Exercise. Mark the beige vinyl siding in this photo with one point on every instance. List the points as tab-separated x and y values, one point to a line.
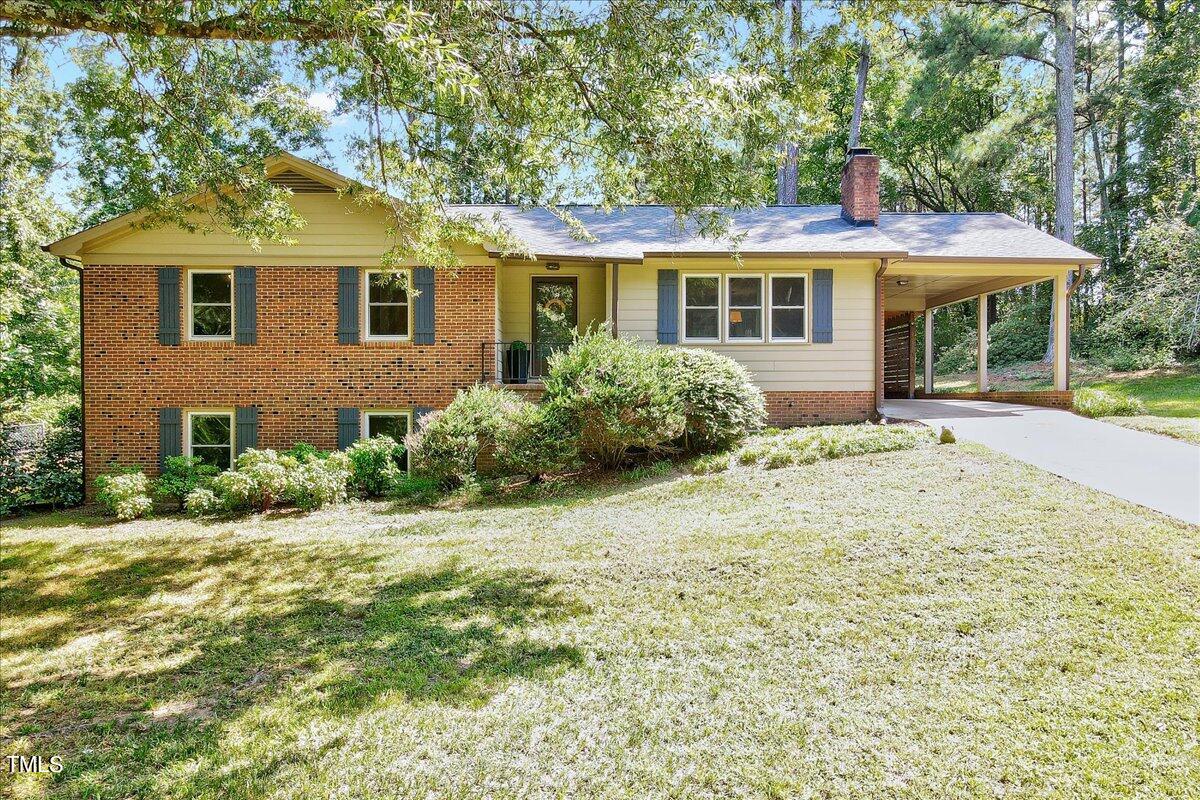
338	231
516	296
846	364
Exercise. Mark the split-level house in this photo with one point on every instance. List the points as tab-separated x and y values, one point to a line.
200	344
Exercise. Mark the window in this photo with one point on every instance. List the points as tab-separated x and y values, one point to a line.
387	309
210	437
210	303
788	307
701	308
395	424
745	311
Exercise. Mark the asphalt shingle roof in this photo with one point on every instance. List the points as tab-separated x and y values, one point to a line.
639	231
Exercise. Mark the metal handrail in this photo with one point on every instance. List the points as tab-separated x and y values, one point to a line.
494	359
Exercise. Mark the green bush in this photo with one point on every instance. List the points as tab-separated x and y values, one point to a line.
318	482
57	476
1099	403
270	473
447	446
375	465
125	494
235	490
14	476
202	502
1017	336
959	357
721	405
613	393
416	489
535	440
181	475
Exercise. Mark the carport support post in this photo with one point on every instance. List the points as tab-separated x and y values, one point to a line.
982	359
1061	331
929	351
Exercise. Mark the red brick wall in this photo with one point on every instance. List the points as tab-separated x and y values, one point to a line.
1050	399
785	409
297	374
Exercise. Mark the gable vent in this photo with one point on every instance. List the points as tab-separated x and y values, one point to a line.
299	184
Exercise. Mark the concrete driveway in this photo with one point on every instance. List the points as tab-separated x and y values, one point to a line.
1144	468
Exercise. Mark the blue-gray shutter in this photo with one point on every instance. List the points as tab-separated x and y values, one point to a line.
247	428
170	434
349	424
419	413
168	305
668	306
348	308
423	322
822	299
245	312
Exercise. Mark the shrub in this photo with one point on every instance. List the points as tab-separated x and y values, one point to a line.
57	476
447	446
270	474
202	502
235	490
320	482
181	475
1099	403
301	451
535	440
14	477
612	392
416	489
126	494
374	467
721	405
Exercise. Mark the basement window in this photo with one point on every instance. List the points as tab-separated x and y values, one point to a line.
395	424
210	437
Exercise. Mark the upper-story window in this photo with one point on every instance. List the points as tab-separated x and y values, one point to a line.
701	308
789	301
210	304
745	313
387	308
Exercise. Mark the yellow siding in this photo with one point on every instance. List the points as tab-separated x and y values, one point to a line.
846	364
339	232
516	296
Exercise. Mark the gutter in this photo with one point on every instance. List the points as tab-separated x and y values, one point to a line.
82	386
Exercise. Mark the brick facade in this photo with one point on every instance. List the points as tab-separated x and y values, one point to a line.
785	409
1050	399
297	374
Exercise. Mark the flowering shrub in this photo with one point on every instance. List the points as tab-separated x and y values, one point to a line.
126	495
236	490
270	473
319	482
202	502
374	467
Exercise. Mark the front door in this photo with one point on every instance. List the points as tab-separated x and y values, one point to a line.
555	318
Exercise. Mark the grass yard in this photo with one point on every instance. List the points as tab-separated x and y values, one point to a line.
938	622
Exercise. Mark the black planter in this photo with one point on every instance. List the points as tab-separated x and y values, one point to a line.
516	365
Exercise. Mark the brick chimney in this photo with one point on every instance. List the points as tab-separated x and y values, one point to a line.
860	187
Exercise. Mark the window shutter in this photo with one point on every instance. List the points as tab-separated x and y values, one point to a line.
245	299
170	434
419	413
246	436
348	306
668	306
168	305
348	427
822	297
423	323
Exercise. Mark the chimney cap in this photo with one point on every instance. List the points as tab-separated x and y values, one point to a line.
859	151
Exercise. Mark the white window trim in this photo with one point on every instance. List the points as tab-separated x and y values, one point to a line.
366	305
807	306
683	307
232	305
366	414
211	412
762	308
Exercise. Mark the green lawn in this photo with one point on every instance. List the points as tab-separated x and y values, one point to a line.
931	623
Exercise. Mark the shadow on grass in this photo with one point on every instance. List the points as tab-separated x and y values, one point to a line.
294	648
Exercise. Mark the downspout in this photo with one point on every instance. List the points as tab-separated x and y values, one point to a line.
616	272
82	387
883	265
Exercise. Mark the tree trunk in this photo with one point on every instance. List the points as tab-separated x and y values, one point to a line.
786	178
1064	136
860	90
